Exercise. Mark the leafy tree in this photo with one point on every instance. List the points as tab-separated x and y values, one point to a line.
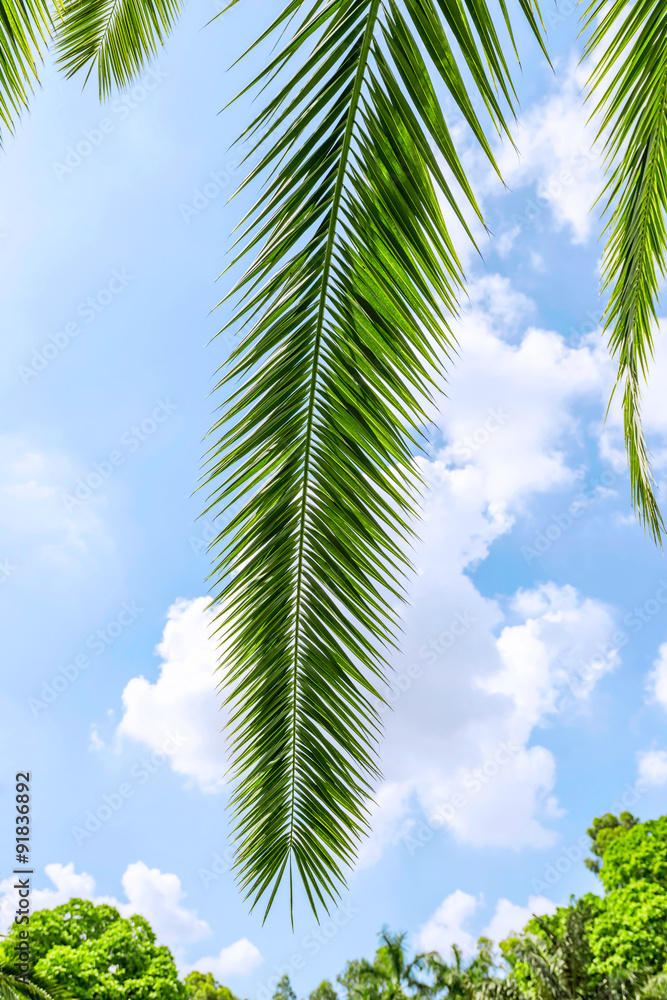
390	976
345	311
605	829
641	854
459	978
325	991
551	959
95	953
203	986
284	989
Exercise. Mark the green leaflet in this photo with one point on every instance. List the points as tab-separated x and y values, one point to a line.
344	310
120	36
25	27
630	77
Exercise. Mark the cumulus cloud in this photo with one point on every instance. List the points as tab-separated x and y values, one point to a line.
462	747
556	156
461	744
450	924
652	768
35	526
657	679
237	959
510	917
447	925
153	894
184	698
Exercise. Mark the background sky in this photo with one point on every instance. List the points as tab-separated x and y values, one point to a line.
531	693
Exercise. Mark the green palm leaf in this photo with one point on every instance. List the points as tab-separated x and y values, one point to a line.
38	988
344	311
118	36
24	30
630	43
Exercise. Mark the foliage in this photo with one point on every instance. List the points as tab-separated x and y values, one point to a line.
117	36
605	829
24	29
390	976
344	310
325	991
639	855
461	979
628	47
203	986
284	989
95	953
14	987
631	930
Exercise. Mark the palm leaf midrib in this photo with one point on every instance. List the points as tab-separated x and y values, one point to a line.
642	209
364	52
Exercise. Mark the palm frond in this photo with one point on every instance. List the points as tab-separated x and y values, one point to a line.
24	31
630	84
344	312
12	987
119	37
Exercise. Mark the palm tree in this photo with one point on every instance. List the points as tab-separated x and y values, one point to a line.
344	311
390	976
553	962
461	979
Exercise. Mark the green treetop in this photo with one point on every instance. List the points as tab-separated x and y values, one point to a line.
604	831
203	986
98	955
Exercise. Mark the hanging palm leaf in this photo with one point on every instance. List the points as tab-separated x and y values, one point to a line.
629	42
24	30
345	310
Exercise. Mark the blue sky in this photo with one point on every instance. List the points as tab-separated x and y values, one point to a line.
531	694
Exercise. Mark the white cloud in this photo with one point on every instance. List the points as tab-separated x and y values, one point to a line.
151	893
462	744
184	697
511	917
462	741
35	525
557	155
450	924
157	896
237	959
658	677
447	925
652	768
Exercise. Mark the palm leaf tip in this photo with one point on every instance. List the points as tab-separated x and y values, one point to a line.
344	310
629	85
119	37
25	27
